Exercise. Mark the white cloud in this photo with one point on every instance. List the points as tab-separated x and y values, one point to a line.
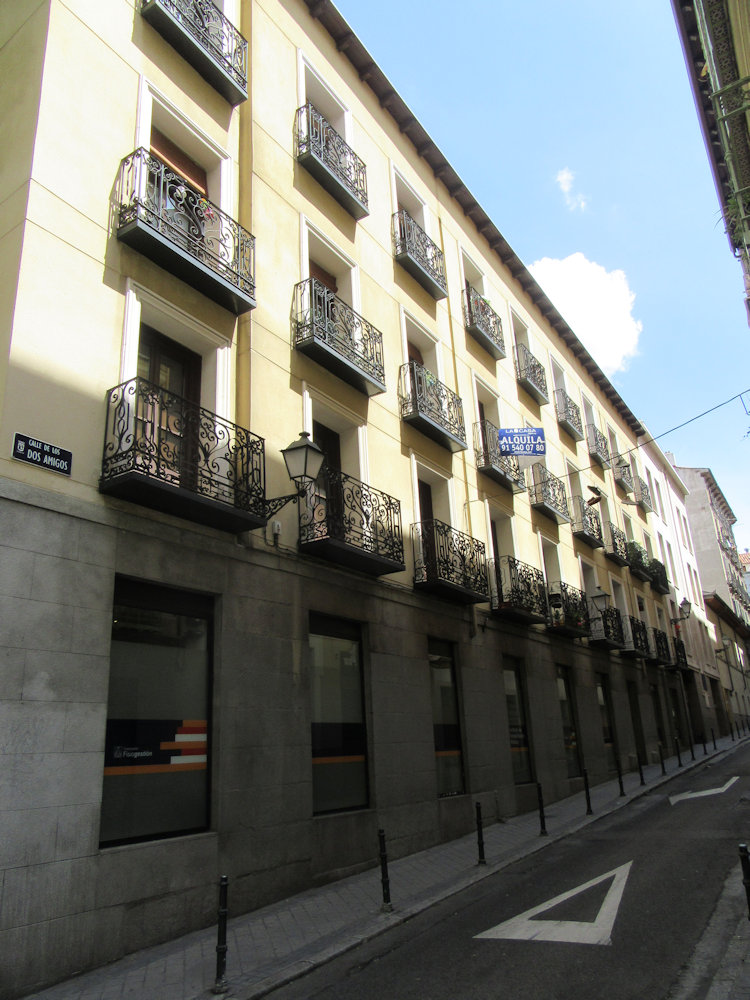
574	201
598	305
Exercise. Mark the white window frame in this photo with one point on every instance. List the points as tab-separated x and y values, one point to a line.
348	263
305	67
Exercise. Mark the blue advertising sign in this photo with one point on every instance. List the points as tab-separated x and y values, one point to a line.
522	441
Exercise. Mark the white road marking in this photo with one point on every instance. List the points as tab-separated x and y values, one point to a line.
699	795
599	931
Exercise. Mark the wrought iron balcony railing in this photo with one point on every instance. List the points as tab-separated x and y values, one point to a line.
586	523
635	635
606	629
198	30
449	563
531	375
623	474
483	323
164	452
658	646
547	493
680	653
568	414
639	561
330	332
161	216
615	544
568	610
659	581
598	447
504	469
333	163
347	522
431	407
419	255
643	495
519	591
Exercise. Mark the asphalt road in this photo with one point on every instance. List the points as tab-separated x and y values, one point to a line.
627	936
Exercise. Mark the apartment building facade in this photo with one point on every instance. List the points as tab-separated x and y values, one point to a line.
715	38
209	669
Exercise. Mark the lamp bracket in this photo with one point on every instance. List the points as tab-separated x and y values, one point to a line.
274	505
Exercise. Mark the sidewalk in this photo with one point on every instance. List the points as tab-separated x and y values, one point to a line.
273	945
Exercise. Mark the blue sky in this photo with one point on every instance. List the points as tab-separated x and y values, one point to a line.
573	125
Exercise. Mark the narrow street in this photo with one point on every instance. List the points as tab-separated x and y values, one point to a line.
616	910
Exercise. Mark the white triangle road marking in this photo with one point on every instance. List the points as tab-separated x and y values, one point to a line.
699	795
599	931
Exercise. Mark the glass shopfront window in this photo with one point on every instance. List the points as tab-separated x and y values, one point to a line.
339	735
570	733
156	778
520	749
445	717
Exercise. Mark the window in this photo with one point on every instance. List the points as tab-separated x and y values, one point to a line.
338	733
407	200
567	714
520	749
604	699
445	719
157	738
316	92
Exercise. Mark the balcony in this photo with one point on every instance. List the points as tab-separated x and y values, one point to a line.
504	469
568	415
198	30
568	610
639	562
431	407
598	447
416	253
623	475
586	523
351	524
530	374
162	217
659	581
635	635
658	646
519	591
449	563
615	545
483	323
680	654
547	494
643	495
166	453
330	332
606	629
335	166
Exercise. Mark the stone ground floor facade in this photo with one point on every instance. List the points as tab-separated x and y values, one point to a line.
177	704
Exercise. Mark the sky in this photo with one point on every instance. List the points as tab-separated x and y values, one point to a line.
574	127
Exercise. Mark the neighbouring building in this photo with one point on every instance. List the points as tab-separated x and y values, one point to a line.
715	37
725	594
221	228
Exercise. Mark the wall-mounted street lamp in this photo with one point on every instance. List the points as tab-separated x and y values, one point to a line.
722	652
303	460
685	609
600	600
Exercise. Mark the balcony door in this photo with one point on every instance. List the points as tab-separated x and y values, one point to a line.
168	414
181	193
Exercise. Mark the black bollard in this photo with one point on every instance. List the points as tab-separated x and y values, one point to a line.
640	769
713	737
705	749
677	748
745	861
692	751
387	906
587	790
480	835
661	759
731	730
221	985
619	775
540	798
